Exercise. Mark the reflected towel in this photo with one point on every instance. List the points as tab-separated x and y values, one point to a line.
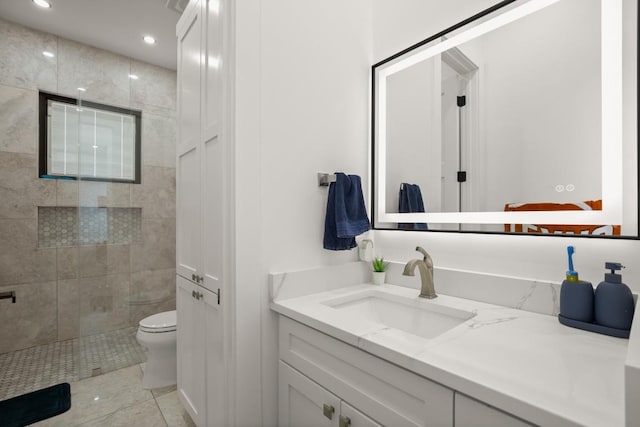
346	215
411	202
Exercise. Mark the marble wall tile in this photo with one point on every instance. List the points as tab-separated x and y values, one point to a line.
92	261
67	263
158	140
19	119
153	286
32	319
102	194
20	261
66	193
21	191
152	291
103	74
17	160
139	312
68	309
158	248
22	63
118	259
156	195
155	89
104	303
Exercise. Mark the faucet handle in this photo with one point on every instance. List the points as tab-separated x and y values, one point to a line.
425	256
423	252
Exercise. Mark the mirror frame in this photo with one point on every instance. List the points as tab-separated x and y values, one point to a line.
612	124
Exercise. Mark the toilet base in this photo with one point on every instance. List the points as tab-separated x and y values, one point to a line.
160	369
155	379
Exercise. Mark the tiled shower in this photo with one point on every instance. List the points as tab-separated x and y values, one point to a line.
87	260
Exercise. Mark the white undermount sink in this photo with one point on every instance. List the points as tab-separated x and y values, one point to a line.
416	316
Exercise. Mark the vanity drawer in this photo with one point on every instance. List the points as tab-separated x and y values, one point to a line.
387	393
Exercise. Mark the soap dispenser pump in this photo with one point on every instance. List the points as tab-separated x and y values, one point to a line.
614	303
576	296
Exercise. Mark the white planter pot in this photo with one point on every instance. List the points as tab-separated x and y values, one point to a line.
378	277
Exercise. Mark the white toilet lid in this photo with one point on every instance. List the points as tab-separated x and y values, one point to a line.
161	322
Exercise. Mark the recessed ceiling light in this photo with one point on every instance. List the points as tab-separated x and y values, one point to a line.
42	3
81	89
48	54
133	77
149	39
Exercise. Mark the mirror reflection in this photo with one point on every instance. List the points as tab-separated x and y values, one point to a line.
509	121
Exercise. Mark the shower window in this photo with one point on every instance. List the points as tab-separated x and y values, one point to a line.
87	140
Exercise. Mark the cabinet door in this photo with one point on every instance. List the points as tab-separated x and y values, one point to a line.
472	413
302	402
351	417
213	197
188	208
213	150
190	328
215	366
212	74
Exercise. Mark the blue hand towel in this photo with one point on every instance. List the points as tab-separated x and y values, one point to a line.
410	202
346	215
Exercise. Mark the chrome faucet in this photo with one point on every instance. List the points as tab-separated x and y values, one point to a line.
425	266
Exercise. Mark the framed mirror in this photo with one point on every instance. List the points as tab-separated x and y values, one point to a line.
510	122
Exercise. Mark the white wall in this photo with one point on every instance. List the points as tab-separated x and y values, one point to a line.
302	81
526	256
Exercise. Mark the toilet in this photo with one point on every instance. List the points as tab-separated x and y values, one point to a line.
157	335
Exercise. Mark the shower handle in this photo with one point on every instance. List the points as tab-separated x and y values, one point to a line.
7	295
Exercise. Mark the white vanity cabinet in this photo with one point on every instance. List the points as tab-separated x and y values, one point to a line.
200	358
472	413
316	369
323	381
304	402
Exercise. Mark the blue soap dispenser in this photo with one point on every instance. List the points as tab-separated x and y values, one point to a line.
614	303
576	296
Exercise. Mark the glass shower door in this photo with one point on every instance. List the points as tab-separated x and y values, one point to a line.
108	226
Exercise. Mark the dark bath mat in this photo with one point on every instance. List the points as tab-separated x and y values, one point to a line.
36	406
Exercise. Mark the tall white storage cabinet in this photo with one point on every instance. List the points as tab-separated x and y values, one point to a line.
201	221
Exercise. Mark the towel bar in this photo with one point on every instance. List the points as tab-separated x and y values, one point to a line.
324	179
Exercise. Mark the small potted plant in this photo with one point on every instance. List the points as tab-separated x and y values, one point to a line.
379	270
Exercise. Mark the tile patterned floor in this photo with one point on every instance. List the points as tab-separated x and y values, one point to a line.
117	399
37	367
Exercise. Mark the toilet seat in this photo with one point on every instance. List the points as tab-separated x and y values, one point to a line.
160	322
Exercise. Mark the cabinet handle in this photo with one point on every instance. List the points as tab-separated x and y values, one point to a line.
193	294
345	421
193	277
328	410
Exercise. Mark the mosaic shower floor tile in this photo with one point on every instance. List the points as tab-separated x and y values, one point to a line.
30	369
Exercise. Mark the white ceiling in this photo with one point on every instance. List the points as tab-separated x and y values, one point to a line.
115	25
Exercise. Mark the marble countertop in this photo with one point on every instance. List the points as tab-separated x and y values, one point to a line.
524	363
